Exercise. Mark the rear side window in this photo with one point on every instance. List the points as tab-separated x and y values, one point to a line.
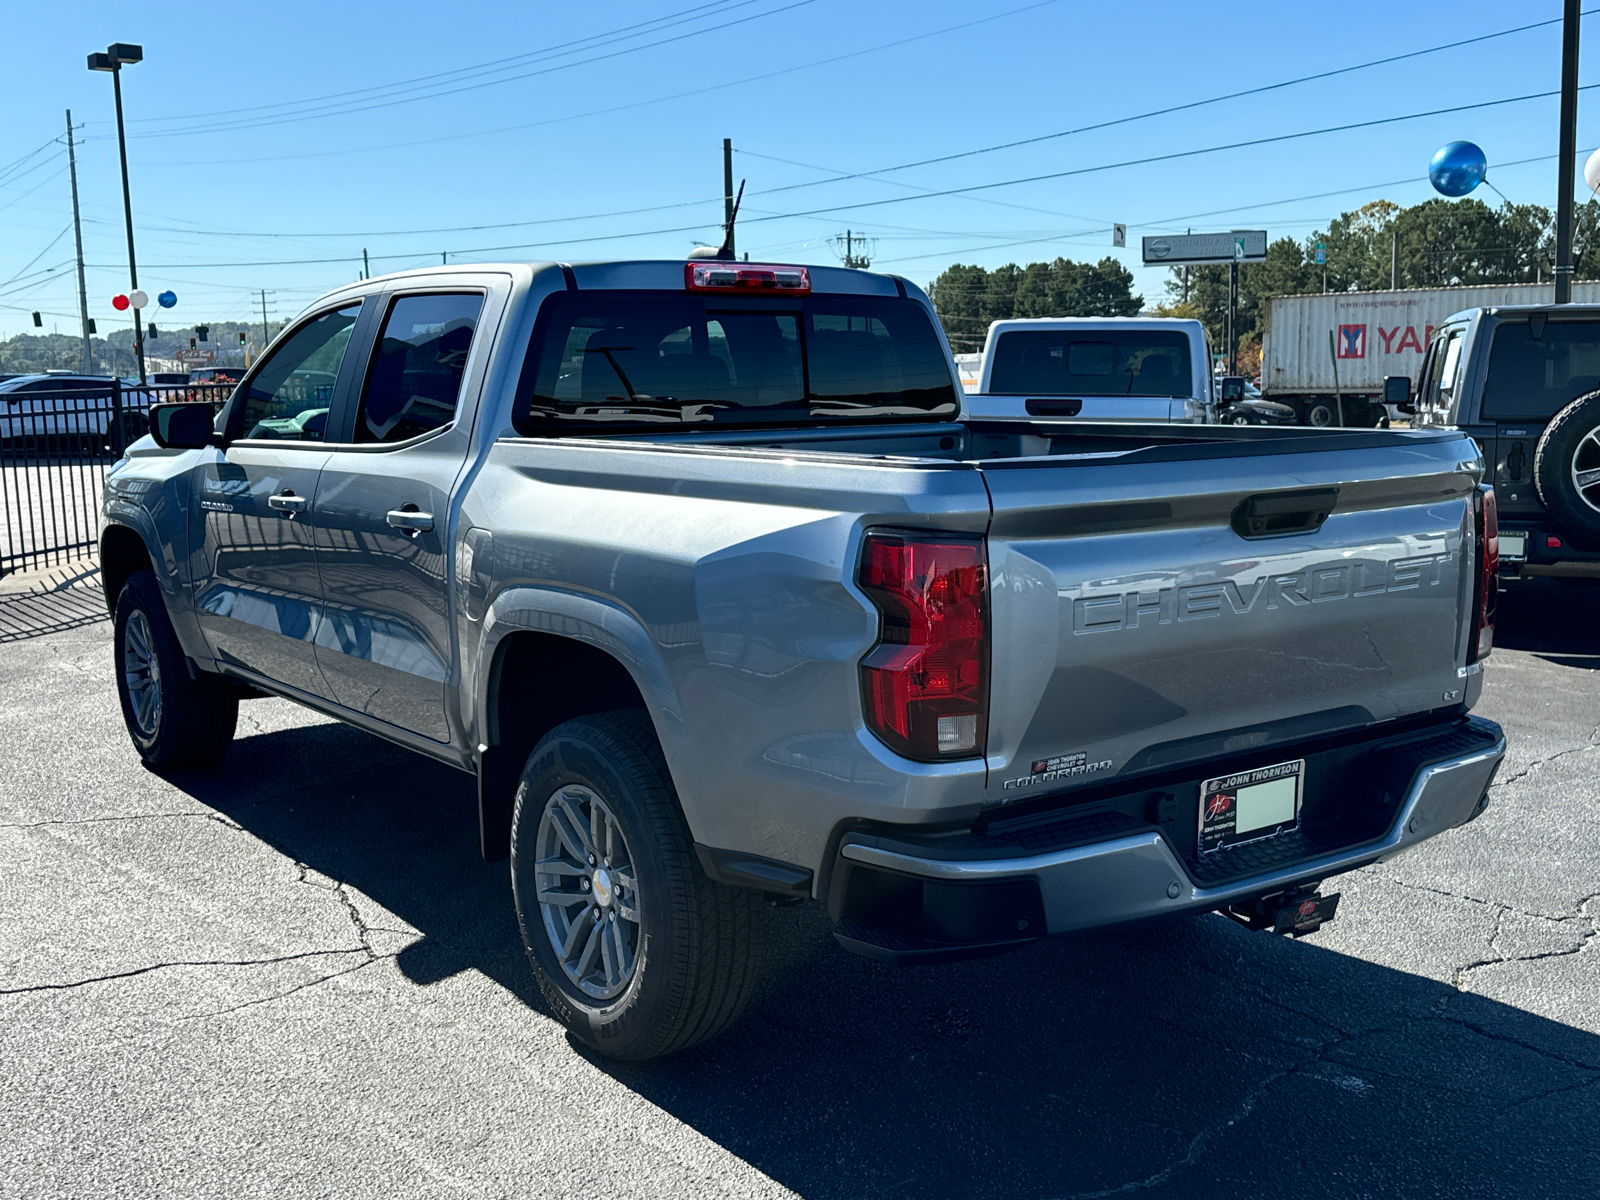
1532	379
415	381
653	358
1098	362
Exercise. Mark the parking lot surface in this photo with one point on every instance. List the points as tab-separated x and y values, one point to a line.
294	976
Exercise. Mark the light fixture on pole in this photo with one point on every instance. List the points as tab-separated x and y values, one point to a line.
117	55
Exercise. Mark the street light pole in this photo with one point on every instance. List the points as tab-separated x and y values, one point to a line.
112	60
1569	151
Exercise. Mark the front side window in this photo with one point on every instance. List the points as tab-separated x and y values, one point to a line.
290	395
1533	378
418	366
672	358
1092	362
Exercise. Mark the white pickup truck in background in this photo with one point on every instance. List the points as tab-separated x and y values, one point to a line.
1093	369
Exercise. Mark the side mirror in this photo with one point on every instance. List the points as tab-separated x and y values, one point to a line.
1232	389
182	426
1397	391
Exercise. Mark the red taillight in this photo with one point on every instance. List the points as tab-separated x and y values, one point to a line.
1488	590
925	684
716	276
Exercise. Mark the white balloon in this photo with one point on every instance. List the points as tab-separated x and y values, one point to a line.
1591	172
138	299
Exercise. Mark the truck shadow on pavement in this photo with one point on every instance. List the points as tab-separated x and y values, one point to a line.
1551	617
1188	1059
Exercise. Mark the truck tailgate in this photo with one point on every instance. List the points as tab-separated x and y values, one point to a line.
1136	629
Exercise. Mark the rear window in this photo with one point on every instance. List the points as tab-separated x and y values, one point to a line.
1532	379
642	358
1097	362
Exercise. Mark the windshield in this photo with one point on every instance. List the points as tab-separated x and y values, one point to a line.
1092	362
1532	379
630	358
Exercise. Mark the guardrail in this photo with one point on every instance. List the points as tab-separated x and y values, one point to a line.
55	449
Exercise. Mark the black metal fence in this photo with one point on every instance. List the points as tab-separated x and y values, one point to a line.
56	444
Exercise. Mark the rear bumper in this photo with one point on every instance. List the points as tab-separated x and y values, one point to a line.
1563	560
1137	874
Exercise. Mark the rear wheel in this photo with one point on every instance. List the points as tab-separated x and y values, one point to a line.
1321	414
175	721
637	952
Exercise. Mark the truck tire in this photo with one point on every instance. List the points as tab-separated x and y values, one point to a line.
176	721
1319	413
1566	469
636	951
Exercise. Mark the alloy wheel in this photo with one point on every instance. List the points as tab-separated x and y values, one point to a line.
1586	469
142	673
588	892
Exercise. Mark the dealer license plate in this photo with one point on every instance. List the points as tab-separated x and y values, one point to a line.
1513	546
1251	805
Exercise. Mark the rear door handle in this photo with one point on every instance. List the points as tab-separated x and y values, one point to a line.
287	502
410	520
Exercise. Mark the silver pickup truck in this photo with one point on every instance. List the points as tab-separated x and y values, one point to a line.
703	572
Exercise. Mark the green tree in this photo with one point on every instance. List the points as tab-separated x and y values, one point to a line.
967	298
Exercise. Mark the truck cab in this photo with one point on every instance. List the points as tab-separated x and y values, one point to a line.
1522	382
1095	369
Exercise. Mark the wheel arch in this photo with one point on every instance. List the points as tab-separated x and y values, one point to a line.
122	552
571	657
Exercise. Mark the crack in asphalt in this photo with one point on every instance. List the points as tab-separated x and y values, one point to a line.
1549	758
161	966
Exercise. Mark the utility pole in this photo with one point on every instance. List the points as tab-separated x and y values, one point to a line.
1233	309
366	267
266	336
1569	150
87	366
1394	260
444	258
727	194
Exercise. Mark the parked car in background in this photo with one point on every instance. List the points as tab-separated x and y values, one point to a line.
1239	403
216	375
700	570
1095	369
61	410
1523	380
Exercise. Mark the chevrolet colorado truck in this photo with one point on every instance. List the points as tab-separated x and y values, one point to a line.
704	573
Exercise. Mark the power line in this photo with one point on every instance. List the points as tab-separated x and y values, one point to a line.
234	126
1175	108
600	112
493	64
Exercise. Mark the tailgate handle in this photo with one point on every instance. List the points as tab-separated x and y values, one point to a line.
1272	514
1054	407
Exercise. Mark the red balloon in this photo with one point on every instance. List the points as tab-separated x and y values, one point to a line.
119	302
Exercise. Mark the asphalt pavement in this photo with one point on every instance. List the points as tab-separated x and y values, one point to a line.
294	976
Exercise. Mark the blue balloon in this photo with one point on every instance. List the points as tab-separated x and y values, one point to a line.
1457	168
167	298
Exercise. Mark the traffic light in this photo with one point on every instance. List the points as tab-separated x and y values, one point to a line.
154	333
191	344
242	336
92	329
204	331
38	321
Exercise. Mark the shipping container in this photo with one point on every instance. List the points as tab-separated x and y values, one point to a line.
1367	336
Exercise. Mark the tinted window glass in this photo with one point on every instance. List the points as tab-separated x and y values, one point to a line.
1533	379
1065	362
417	369
631	357
290	395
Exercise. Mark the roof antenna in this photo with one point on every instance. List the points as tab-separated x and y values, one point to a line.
724	252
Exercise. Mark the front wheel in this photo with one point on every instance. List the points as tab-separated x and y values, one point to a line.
637	952
175	720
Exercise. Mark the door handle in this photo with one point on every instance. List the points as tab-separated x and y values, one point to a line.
410	520
287	503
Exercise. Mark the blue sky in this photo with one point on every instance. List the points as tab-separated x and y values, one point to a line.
621	105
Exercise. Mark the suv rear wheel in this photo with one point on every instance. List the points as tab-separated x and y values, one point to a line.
1566	469
175	721
636	951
